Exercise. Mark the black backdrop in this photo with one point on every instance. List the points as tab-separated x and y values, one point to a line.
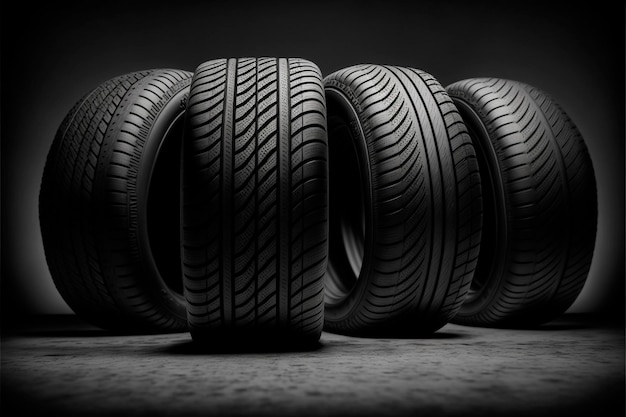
51	57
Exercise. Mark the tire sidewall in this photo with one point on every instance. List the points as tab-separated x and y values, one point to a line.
138	256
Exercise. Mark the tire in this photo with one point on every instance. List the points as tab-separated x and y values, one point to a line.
405	203
109	203
255	201
540	204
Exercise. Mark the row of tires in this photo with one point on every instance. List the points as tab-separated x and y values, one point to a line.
254	197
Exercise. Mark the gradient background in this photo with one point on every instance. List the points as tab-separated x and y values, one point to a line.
50	58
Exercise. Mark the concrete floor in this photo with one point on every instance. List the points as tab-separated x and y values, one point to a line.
572	366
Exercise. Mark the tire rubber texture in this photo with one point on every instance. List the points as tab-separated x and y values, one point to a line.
540	204
405	203
107	221
255	201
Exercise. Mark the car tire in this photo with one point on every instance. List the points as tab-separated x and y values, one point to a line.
255	201
540	204
109	203
405	203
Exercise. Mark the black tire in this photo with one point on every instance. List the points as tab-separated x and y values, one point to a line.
539	202
405	202
109	203
255	201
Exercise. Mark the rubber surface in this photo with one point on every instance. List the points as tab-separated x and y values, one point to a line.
540	208
100	214
405	202
255	200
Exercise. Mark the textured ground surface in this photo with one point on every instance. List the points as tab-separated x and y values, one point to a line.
568	367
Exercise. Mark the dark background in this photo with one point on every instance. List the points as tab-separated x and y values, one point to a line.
50	58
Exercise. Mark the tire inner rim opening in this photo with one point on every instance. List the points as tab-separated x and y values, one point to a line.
163	205
347	219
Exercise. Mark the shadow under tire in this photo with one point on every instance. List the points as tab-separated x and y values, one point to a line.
539	200
109	203
255	201
405	203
